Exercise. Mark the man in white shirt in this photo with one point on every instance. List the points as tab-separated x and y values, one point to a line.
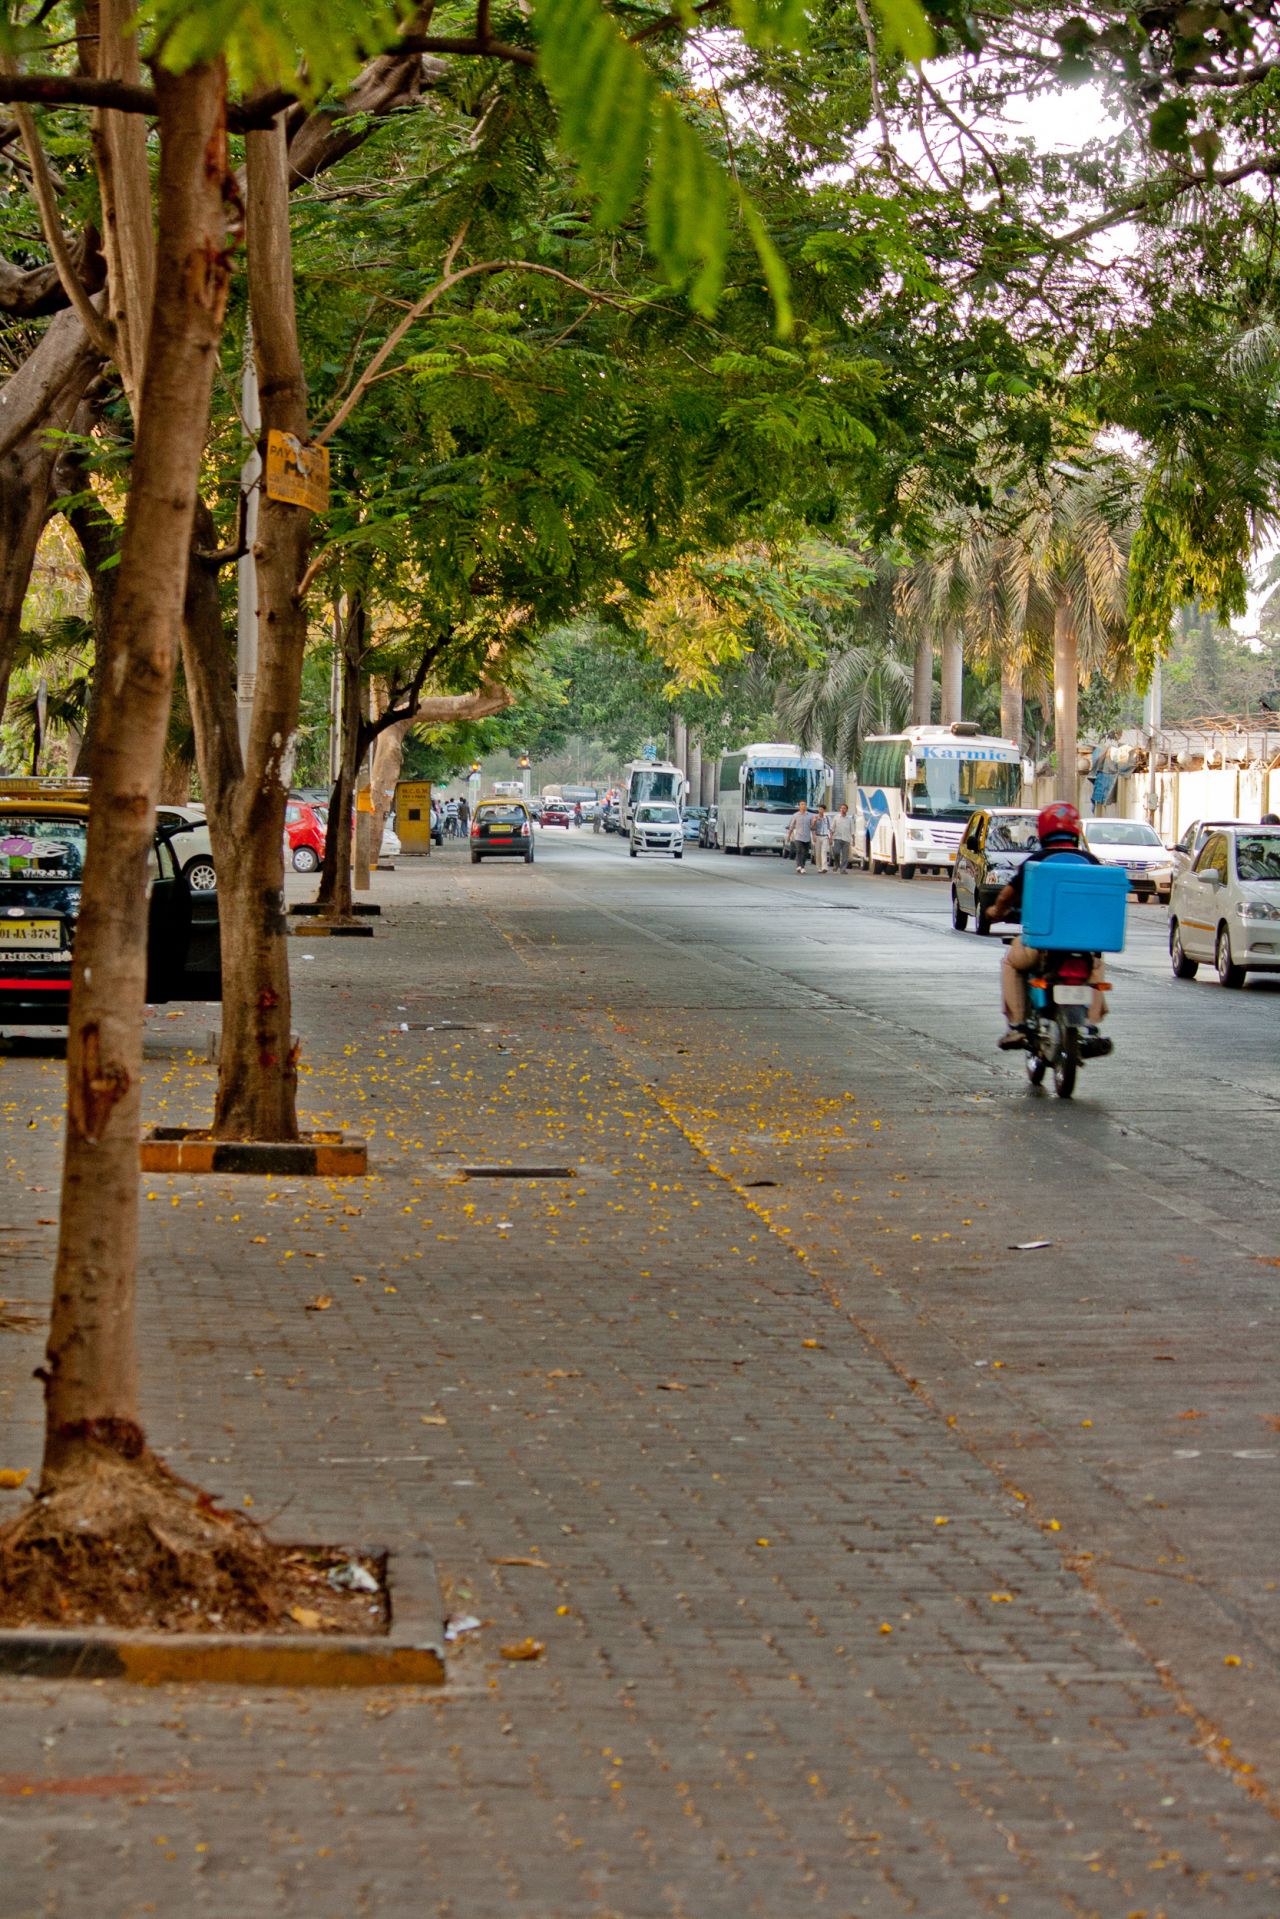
842	839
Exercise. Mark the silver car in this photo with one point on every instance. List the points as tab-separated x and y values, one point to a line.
1138	848
657	828
1226	909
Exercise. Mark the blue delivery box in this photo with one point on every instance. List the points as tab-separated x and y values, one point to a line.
1069	907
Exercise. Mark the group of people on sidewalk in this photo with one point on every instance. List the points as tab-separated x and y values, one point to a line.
827	836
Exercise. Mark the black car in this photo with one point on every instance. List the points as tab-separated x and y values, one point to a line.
43	830
992	848
501	829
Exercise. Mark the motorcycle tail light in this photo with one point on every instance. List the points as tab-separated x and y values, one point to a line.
1074	970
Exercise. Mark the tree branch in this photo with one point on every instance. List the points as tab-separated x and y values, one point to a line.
236	548
423	306
94	324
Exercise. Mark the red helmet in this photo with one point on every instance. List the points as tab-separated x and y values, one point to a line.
1060	821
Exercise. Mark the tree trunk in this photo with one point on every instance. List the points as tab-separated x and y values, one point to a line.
124	183
90	1374
922	682
952	676
710	768
258	1067
1011	700
1066	691
335	898
27	465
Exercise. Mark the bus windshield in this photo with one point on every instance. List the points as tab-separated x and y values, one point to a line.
953	788
653	786
780	789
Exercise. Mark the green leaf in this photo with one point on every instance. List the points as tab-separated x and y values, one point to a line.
1169	124
906	28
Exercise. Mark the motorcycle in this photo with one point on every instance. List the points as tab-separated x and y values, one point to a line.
1059	1037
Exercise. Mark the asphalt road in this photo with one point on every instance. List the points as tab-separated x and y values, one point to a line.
1125	1377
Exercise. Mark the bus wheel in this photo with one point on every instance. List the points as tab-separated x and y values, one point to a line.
906	872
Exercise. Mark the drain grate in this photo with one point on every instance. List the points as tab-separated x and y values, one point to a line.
517	1172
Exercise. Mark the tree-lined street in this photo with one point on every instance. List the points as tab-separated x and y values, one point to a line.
879	1567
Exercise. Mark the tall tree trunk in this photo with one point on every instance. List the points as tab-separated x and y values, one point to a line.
922	682
1011	700
37	405
124	182
90	1374
258	1067
952	676
335	896
1066	692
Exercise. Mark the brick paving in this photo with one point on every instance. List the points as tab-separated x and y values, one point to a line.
808	1652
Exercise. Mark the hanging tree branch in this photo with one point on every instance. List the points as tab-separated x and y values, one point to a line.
73	286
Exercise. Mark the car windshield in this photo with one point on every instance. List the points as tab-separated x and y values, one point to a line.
505	815
952	788
1014	835
780	789
41	848
1258	856
657	815
1120	833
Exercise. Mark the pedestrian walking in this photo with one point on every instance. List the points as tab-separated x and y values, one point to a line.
821	838
842	839
800	835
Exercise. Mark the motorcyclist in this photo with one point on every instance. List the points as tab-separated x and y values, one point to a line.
1058	832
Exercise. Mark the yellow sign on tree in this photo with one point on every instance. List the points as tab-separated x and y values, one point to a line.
296	473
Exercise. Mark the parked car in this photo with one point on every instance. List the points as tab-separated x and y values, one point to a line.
556	813
693	817
43	829
1225	909
657	828
992	848
502	828
1137	847
707	827
304	834
191	844
1184	853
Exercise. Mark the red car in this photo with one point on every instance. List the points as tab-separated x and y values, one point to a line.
303	836
555	813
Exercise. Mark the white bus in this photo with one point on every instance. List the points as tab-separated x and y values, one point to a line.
916	790
760	788
649	780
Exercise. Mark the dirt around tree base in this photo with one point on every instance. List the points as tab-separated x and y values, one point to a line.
127	1544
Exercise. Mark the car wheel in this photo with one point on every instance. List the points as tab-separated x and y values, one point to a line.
201	877
475	859
1229	973
305	859
981	924
528	858
677	856
1183	968
634	854
959	918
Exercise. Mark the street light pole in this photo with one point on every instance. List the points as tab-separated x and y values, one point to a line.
247	566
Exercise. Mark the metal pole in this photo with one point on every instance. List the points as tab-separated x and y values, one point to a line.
247	567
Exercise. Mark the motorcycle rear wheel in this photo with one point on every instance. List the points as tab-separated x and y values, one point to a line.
1067	1060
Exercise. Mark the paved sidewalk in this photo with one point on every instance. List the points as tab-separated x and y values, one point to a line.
807	1653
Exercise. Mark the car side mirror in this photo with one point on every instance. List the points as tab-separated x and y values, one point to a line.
1212	877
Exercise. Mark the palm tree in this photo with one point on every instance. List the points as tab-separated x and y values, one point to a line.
1057	568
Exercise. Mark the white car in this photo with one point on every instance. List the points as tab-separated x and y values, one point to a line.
657	828
1226	909
192	848
1138	848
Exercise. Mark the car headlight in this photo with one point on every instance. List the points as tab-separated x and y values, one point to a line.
917	833
1256	910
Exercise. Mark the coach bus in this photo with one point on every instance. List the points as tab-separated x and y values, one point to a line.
760	788
916	790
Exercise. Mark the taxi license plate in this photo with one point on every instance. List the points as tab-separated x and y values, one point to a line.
30	939
499	832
